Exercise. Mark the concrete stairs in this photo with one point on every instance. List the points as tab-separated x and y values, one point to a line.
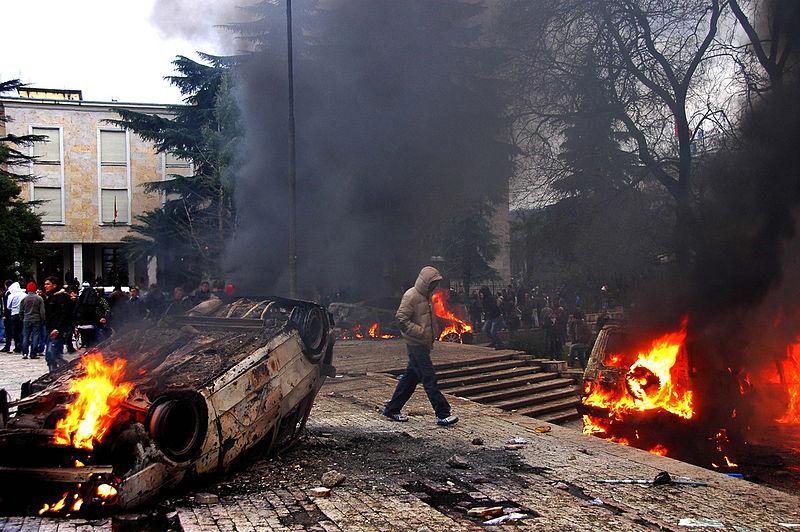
514	382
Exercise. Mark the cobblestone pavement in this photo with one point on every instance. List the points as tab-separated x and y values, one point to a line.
398	478
14	370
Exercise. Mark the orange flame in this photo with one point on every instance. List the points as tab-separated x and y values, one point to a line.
375	330
650	382
455	325
791	375
100	394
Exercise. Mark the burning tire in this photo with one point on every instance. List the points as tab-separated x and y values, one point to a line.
178	426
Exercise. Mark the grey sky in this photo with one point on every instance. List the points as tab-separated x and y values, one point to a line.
110	49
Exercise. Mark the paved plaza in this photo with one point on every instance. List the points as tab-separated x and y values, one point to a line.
403	476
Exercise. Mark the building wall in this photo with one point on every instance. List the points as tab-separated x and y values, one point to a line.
81	226
502	229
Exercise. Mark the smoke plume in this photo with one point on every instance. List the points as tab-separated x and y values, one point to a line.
400	130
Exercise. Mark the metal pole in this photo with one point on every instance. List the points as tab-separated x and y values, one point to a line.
292	179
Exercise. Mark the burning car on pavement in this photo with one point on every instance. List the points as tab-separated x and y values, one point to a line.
631	386
156	406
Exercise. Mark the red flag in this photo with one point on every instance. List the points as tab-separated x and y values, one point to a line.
115	208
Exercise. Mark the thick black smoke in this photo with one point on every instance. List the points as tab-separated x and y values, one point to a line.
400	129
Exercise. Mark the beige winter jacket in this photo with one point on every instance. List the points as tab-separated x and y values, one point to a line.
415	315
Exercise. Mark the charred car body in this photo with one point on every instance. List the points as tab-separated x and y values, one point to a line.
205	388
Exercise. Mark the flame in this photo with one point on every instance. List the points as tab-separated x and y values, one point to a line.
56	507
455	325
99	396
659	449
649	381
791	375
106	491
375	330
656	379
729	463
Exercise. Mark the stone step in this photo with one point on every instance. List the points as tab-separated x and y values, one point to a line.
482	368
508	355
525	389
492	376
560	416
550	406
538	398
480	388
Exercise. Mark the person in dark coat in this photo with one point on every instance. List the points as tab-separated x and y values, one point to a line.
493	320
154	303
135	309
56	322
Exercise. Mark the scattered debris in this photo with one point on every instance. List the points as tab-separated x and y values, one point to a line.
518	441
485	512
597	501
789	525
543	429
321	492
477	441
206	498
332	478
560	486
661	479
457	462
514	446
586	452
701	522
504	518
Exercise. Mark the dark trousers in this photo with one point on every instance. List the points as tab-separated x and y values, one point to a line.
14	332
31	338
420	369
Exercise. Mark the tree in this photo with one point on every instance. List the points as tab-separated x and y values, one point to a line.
469	247
654	59
20	227
190	231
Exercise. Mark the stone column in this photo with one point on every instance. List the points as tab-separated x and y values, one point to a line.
77	262
152	270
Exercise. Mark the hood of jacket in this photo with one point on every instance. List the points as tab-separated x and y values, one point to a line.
427	275
15	287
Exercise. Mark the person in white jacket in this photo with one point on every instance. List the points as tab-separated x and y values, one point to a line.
15	296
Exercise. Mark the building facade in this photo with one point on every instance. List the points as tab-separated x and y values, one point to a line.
89	180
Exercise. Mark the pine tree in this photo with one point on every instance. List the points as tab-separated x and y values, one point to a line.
189	232
20	227
470	246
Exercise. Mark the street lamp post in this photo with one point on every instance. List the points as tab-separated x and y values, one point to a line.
292	179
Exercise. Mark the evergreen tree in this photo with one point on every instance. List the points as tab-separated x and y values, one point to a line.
190	231
470	246
20	227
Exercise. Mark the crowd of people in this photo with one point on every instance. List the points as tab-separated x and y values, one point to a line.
44	321
512	309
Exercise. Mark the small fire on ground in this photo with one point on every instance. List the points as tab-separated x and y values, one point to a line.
361	332
454	327
98	398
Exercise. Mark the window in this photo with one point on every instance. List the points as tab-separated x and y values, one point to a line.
114	206
112	148
47	151
50	208
174	162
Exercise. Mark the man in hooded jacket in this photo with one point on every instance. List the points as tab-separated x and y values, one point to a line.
15	295
418	326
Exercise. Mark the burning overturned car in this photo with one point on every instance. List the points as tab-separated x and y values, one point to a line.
147	410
